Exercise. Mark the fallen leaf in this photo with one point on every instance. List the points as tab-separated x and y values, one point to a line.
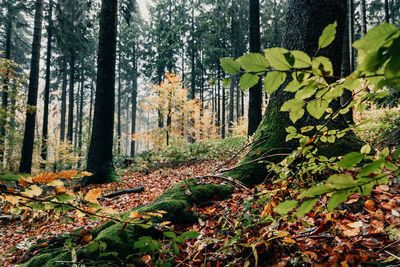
370	205
67	174
93	195
45	178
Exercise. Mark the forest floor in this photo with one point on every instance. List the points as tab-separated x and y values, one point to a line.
348	237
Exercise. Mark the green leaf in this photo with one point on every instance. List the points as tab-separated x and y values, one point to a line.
169	234
291	129
342	181
322	66
377	37
317	108
296	115
301	60
190	234
317	191
276	57
306	207
396	154
352	83
273	81
293	104
306	92
328	35
366	149
248	80
64	198
226	82
253	62
366	189
392	69
361	107
285	207
230	65
351	159
337	198
373	167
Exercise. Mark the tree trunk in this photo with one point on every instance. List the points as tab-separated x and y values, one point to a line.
29	133
80	115
3	123
100	151
346	63
47	87
134	100
71	97
119	106
310	18
255	96
63	100
363	17
387	15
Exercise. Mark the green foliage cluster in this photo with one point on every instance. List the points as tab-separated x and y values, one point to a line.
174	156
314	88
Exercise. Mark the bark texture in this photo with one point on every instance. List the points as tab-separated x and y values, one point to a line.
29	133
310	18
100	151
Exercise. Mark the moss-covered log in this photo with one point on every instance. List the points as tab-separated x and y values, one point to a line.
310	18
118	243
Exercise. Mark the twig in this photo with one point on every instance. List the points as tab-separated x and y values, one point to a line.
391	254
122	192
391	244
226	178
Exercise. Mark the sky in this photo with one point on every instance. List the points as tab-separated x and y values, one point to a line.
143	8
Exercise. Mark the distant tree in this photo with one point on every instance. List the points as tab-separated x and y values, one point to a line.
29	133
100	155
47	84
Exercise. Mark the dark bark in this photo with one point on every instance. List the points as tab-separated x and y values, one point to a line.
255	93
63	100
29	133
134	98
4	103
346	63
123	192
363	17
387	14
351	35
92	91
100	151
47	87
119	106
71	97
310	18
80	115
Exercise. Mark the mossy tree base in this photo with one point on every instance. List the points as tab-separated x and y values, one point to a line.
119	244
270	139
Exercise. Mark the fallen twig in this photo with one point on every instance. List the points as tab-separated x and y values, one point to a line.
122	192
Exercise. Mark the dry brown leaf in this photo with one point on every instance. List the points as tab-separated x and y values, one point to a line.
135	215
67	174
93	195
370	205
87	238
60	190
85	173
23	183
45	178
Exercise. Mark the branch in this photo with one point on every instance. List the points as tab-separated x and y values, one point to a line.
122	192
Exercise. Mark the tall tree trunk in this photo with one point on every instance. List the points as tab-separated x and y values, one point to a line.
29	133
351	35
363	17
192	59
310	18
63	99
80	114
218	99
346	62
134	99
232	86
92	91
223	112
47	87
387	14
119	106
100	151
3	122
71	97
255	96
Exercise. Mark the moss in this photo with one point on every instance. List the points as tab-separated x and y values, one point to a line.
175	201
117	240
39	260
270	138
65	256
